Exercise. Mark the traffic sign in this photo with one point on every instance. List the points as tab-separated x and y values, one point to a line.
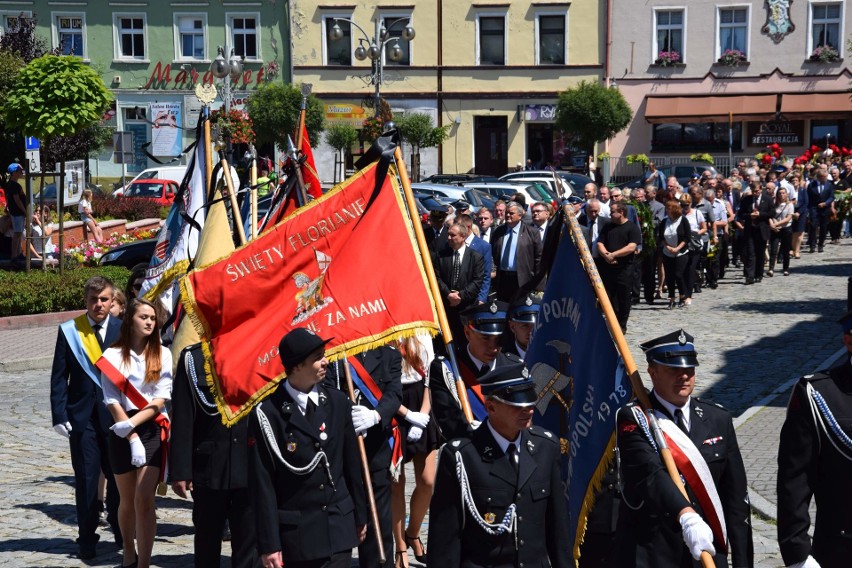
31	143
34	160
122	142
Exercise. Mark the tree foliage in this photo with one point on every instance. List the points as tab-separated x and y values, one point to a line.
417	129
274	109
88	142
341	137
590	113
56	96
23	41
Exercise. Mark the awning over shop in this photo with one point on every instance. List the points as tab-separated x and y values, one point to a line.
816	105
709	108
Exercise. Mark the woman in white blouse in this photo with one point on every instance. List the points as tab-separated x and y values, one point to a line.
782	232
136	451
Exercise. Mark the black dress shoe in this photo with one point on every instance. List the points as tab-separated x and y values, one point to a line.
87	552
749	281
820	249
812	249
759	279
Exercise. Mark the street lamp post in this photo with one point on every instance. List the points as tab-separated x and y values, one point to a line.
229	70
373	48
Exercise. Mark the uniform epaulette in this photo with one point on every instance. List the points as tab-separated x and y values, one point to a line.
542	433
709	403
816	376
512	357
458	443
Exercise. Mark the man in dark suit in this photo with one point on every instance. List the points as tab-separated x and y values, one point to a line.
483	327
660	528
506	507
483	248
460	271
375	370
485	220
211	461
753	219
820	198
304	468
591	219
814	461
78	410
516	251
436	230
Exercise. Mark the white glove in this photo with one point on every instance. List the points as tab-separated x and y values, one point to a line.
414	433
697	534
363	418
63	429
808	562
420	419
475	424
123	428
137	452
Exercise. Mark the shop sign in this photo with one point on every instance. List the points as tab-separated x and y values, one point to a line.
790	132
345	113
540	113
163	77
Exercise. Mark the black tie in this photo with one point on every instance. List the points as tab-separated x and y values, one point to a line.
310	411
456	270
680	421
484	370
97	327
512	452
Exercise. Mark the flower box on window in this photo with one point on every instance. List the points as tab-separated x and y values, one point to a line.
824	54
667	59
732	58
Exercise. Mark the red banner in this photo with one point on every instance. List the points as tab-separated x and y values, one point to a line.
346	266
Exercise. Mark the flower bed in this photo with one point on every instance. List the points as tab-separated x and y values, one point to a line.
89	252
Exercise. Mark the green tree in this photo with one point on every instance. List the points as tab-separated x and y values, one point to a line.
274	109
418	130
590	113
341	137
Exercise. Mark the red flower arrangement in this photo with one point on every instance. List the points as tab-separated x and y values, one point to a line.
774	153
235	124
814	154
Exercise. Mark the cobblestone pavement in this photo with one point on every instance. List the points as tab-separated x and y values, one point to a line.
752	342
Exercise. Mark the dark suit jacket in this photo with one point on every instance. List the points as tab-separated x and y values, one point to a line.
528	253
74	396
435	242
202	449
765	212
815	196
471	275
535	489
601	222
650	535
483	248
304	516
385	367
810	466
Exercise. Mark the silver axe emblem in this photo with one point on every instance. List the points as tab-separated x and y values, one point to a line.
549	381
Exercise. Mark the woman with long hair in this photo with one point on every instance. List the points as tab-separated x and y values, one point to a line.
782	232
84	207
420	435
674	236
137	381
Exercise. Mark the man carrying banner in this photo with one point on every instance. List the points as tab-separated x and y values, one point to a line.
483	326
78	412
498	497
815	460
659	527
307	488
377	378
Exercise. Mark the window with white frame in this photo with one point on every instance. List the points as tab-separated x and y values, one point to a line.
245	35
670	31
9	20
551	39
492	40
130	36
191	36
338	51
733	30
70	36
394	26
825	25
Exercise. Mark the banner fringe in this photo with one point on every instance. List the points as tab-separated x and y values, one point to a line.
589	498
177	270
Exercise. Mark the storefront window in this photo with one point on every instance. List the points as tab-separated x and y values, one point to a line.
694	136
825	132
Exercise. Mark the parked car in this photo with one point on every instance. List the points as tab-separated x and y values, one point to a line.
454	192
129	255
162	191
683	173
173	173
503	190
50	193
456	178
561	187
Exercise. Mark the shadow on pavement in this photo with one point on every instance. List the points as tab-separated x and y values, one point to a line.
65	513
58	546
66	479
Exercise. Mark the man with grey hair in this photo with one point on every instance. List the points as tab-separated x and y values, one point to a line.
719	227
516	252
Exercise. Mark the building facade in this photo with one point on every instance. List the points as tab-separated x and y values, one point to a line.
491	71
151	54
731	76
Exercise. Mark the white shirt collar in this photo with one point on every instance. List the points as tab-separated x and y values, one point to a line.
479	363
671	409
503	442
302	398
521	351
469	239
103	325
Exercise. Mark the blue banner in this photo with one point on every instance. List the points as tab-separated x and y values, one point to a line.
579	376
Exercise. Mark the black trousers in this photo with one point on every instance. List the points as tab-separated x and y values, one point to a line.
507	285
618	281
722	256
648	271
675	268
754	255
90	456
338	560
690	275
210	509
368	551
779	245
819	221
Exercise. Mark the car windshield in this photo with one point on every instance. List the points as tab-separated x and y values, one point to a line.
144	190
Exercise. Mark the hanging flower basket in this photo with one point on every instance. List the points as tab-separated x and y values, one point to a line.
235	124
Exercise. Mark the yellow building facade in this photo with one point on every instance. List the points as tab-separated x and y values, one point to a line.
490	70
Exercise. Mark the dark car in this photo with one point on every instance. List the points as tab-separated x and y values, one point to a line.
456	178
682	172
50	193
129	255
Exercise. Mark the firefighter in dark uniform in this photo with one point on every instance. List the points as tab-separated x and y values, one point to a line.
815	460
484	324
211	461
304	467
522	317
384	367
658	527
498	498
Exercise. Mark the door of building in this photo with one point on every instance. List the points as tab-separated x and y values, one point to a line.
490	145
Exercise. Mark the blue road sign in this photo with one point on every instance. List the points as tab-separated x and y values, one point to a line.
31	143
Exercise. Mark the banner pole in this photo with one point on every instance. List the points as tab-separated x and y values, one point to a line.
208	155
238	222
461	388
365	470
621	344
253	192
